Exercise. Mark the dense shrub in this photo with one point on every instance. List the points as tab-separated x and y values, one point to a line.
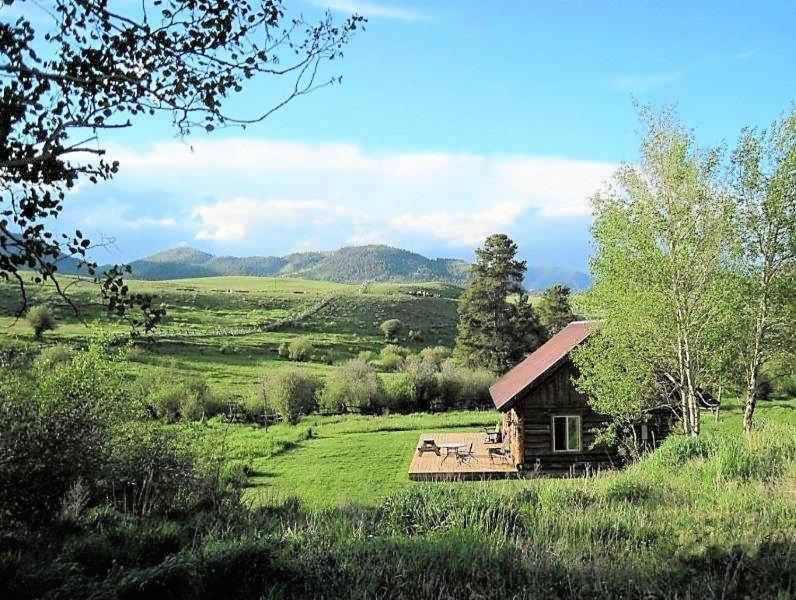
765	388
150	471
398	393
781	372
435	355
284	350
422	377
391	357
53	357
462	388
253	408
40	320
391	328
300	349
428	382
182	398
352	386
54	429
290	393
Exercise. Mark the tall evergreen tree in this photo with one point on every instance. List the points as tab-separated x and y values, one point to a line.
554	310
497	324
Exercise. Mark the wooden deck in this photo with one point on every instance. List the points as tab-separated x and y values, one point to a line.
430	467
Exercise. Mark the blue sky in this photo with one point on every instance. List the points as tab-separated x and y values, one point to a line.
454	119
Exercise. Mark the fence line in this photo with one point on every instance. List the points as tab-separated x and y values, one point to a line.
244	331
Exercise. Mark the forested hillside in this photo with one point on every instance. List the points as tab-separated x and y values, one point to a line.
352	264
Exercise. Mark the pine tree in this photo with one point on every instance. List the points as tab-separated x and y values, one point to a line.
497	324
554	310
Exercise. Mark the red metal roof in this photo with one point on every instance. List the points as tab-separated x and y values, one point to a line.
539	363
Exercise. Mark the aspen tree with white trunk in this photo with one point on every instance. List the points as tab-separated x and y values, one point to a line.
763	181
663	245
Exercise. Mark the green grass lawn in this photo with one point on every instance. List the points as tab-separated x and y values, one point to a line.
731	415
325	461
328	461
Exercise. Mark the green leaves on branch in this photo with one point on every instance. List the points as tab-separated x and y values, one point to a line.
662	234
691	270
90	67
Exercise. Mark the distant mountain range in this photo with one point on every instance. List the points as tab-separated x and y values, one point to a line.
353	264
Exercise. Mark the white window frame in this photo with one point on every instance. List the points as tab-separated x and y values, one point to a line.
566	433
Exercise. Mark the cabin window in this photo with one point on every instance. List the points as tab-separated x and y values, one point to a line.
566	433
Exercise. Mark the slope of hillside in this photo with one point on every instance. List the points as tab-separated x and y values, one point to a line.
383	263
353	264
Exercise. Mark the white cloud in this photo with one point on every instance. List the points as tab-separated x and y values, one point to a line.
370	9
230	220
556	187
460	229
237	218
249	195
147	222
114	215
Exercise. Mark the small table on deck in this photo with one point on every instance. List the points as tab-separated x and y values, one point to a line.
451	448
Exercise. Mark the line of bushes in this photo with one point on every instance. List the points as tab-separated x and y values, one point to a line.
428	381
425	382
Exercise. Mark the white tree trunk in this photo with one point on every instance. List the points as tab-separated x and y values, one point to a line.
753	371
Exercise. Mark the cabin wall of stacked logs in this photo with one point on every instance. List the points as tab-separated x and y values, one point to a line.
532	422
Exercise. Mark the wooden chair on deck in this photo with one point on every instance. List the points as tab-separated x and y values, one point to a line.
706	401
503	452
493	435
464	452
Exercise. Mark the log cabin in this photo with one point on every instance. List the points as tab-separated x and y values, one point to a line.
548	425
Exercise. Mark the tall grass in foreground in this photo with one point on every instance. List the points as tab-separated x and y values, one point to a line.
711	518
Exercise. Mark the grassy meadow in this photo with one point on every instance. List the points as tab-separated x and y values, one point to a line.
713	517
326	508
328	461
212	323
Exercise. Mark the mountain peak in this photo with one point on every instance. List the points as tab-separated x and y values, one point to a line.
184	254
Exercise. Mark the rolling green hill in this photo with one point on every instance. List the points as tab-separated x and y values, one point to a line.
353	264
346	265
